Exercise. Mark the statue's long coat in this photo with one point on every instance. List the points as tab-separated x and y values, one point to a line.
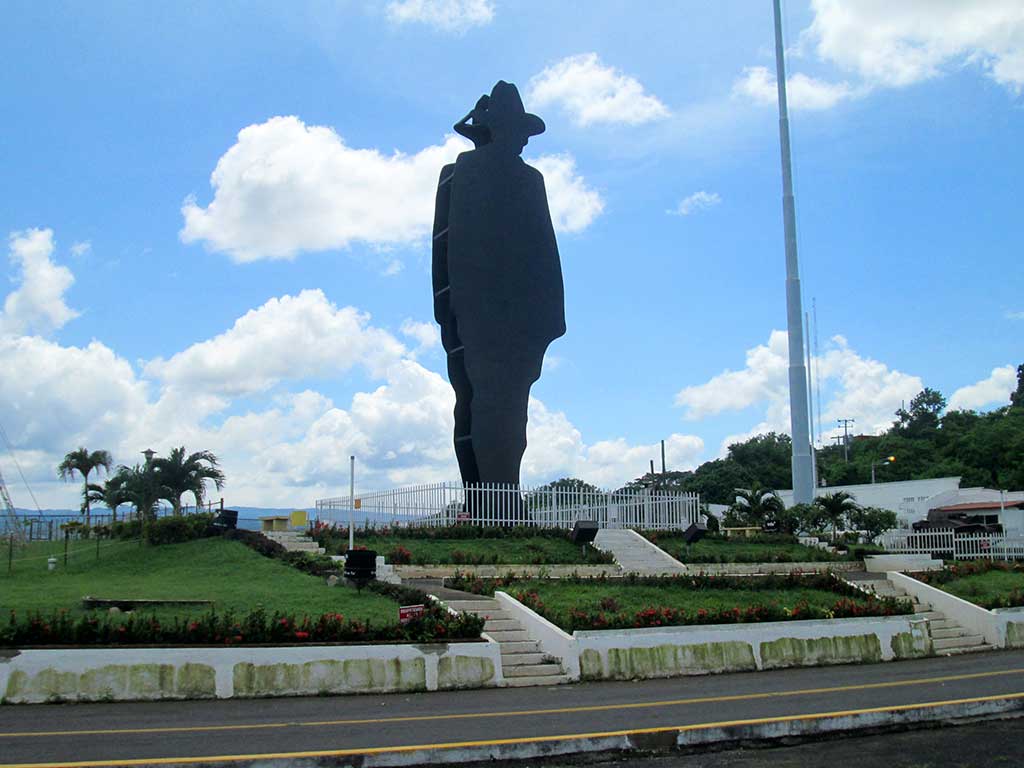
507	295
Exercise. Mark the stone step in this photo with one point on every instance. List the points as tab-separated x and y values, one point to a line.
942	624
534	670
519	659
519	646
524	682
493	615
501	625
961	641
504	636
474	605
968	649
946	632
931	615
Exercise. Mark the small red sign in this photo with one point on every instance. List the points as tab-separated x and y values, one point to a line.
407	613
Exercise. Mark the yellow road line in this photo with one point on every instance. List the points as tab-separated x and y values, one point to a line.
128	762
519	712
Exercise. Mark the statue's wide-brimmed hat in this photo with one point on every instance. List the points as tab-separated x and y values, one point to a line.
505	110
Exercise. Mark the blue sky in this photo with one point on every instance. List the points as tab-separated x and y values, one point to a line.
278	311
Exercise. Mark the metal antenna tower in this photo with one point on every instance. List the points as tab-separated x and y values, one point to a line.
803	466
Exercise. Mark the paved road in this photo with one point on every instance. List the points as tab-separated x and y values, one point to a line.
65	734
991	744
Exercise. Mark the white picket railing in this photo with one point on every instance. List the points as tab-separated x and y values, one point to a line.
493	504
964	546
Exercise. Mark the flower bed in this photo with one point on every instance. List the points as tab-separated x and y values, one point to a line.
254	628
634	602
464	545
988	583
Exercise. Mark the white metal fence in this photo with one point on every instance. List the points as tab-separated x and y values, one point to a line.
493	504
965	546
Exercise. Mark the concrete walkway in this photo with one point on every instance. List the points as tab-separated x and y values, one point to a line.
515	723
635	554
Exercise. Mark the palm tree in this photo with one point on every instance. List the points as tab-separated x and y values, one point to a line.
835	507
757	504
180	474
83	462
113	493
142	488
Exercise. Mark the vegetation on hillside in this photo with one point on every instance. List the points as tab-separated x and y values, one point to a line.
985	449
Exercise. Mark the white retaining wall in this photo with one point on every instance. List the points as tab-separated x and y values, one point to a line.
126	673
624	654
1011	625
692	650
552	640
968	615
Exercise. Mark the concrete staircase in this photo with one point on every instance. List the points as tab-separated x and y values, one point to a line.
948	637
635	554
295	541
522	662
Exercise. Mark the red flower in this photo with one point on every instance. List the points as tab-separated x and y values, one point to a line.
302	635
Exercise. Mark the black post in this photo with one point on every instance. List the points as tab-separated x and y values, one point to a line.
97	546
66	534
10	554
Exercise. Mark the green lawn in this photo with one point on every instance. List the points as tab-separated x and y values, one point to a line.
527	550
994	589
229	573
713	549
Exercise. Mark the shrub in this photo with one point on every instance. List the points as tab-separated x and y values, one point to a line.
399	556
126	529
180	528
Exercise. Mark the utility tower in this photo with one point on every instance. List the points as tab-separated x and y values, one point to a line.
803	467
10	515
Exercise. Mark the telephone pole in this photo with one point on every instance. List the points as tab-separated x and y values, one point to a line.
845	424
803	469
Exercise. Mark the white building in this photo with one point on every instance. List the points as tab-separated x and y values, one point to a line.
909	499
912	499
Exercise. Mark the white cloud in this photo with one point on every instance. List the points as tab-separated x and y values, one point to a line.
446	15
594	93
37	304
996	389
287	338
802	92
698	201
856	387
294	450
573	204
426	335
285	187
555	448
1011	315
897	44
81	248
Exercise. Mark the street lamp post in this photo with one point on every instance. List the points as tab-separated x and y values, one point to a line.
886	460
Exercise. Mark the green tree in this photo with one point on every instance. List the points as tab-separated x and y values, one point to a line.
835	507
141	484
766	458
873	521
756	505
112	493
179	474
1017	396
84	462
923	416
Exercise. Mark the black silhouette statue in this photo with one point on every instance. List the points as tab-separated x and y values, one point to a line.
498	292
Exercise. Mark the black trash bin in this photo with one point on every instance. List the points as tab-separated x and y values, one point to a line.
226	519
360	566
